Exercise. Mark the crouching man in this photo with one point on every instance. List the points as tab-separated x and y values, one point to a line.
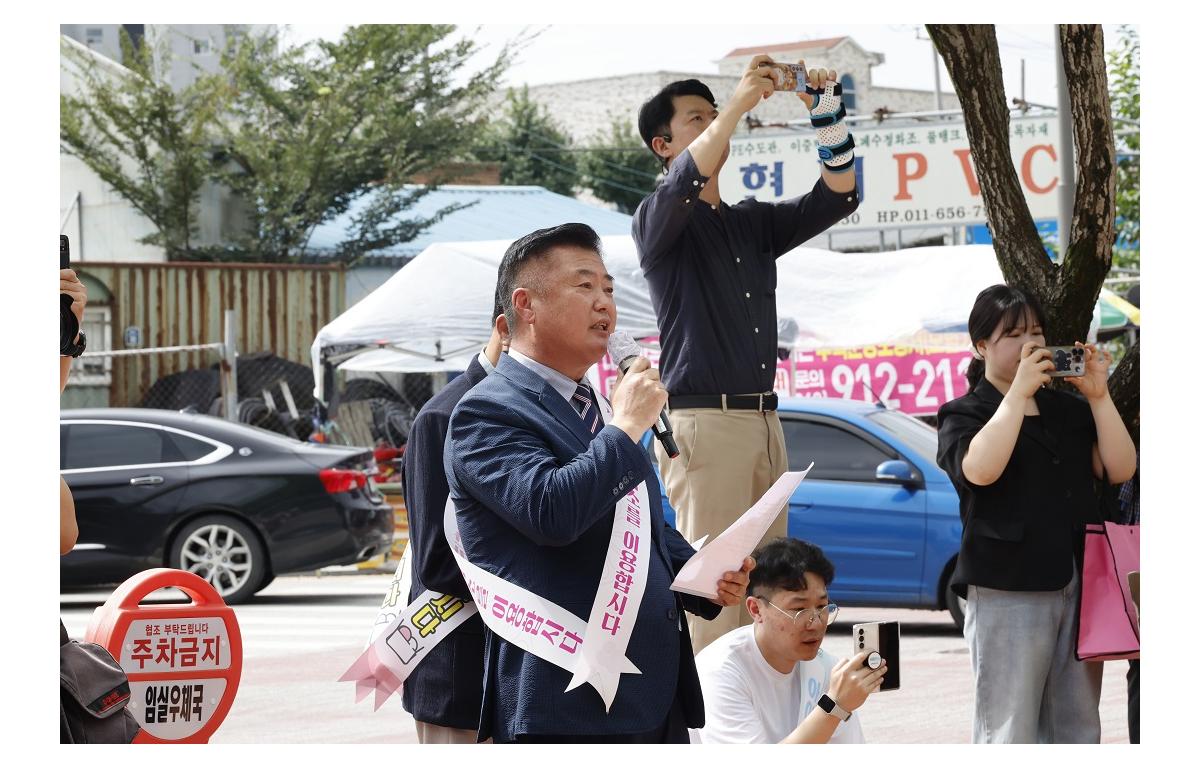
771	682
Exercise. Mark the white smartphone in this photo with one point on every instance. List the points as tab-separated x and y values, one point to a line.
882	638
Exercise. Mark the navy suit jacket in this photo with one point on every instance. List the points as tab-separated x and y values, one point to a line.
535	496
447	687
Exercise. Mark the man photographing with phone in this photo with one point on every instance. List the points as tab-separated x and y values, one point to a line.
711	272
771	682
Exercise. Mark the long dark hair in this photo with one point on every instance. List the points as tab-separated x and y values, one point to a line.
999	306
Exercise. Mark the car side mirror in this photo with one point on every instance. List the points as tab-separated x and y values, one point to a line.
895	471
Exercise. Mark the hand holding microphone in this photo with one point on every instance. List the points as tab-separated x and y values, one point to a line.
638	404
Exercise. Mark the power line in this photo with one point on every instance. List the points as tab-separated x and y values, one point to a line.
616	166
1044	44
597	179
592	149
1039	48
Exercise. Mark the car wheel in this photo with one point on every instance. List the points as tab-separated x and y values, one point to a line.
956	605
266	582
223	551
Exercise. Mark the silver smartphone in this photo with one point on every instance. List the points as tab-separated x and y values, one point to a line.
882	638
1068	361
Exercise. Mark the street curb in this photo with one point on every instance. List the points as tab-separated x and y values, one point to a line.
368	567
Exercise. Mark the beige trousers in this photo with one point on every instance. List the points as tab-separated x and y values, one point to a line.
428	733
727	461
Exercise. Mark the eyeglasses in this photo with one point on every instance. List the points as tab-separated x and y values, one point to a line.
809	615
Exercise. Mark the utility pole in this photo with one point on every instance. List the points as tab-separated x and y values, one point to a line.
937	72
937	78
229	390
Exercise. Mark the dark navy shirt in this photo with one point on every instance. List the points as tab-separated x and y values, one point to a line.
711	271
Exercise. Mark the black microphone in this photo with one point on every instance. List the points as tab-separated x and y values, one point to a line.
624	350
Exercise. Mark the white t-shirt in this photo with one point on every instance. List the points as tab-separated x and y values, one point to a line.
747	701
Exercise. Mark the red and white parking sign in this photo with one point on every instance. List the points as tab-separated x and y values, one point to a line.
184	662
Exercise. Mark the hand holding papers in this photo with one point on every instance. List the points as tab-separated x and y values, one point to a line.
699	576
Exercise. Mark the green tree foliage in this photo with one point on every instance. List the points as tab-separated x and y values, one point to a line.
140	137
619	169
306	131
1124	75
530	146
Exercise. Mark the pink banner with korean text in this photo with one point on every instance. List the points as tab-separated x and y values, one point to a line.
915	377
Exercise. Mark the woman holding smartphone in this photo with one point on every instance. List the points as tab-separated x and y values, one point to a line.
1024	459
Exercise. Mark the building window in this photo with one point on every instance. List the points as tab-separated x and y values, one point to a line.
97	326
848	93
93	37
136	32
202	47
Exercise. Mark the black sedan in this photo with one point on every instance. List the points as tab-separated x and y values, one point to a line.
232	503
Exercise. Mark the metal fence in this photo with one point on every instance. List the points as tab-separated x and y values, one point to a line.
260	388
162	335
172	305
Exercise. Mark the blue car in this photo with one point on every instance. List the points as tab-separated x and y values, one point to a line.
875	501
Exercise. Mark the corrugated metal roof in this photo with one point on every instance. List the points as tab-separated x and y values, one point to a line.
496	213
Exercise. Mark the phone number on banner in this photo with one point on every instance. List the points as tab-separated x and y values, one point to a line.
917	384
924	215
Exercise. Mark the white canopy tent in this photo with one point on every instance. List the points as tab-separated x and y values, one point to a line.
433	315
856	299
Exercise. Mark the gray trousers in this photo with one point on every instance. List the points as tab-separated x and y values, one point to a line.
1029	688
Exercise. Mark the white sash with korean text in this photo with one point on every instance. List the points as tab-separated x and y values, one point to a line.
593	652
403	635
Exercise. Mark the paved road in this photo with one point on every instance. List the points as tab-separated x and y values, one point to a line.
935	702
302	632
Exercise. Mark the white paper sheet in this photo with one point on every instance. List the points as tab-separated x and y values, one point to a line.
699	576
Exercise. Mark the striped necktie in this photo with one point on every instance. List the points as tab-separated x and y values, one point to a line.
586	406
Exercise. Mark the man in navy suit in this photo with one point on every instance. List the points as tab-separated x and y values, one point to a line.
535	484
443	693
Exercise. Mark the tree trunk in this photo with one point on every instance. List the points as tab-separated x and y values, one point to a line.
973	59
1126	391
1068	290
1089	256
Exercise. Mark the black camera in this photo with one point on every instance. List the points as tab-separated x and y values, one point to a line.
68	325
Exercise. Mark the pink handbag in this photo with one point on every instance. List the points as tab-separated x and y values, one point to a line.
1108	618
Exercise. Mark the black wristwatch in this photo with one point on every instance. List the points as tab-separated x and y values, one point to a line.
75	349
831	708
